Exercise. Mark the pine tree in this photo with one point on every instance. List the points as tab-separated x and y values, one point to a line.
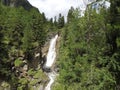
61	21
70	15
113	40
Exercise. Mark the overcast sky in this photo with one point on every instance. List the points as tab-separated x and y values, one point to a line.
52	8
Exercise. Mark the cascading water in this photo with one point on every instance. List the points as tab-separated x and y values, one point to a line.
50	60
51	53
51	76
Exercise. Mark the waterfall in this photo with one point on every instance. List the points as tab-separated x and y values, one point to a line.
50	60
51	76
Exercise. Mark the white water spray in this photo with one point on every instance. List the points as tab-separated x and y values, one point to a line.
51	53
50	60
51	76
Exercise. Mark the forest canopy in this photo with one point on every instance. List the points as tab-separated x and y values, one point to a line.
89	53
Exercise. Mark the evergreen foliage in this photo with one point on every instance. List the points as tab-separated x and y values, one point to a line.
21	32
89	52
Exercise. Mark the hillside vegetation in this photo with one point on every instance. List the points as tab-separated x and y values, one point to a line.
89	53
90	50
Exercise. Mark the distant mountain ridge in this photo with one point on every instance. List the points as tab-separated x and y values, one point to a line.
17	3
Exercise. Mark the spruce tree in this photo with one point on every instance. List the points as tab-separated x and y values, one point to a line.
61	21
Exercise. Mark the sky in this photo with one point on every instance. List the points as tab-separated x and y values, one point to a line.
52	8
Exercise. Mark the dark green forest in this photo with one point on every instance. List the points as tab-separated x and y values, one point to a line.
89	57
89	53
22	31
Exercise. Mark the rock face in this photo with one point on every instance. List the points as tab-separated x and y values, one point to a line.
16	3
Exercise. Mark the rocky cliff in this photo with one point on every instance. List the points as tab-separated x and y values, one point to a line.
17	3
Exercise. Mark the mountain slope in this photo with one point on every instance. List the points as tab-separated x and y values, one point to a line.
17	3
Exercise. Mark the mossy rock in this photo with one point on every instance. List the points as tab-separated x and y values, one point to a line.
40	74
18	62
37	74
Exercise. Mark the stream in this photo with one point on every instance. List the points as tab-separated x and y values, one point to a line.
51	56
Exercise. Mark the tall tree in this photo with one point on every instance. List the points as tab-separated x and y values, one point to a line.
70	15
61	21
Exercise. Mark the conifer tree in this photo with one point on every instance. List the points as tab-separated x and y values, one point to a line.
70	15
61	21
